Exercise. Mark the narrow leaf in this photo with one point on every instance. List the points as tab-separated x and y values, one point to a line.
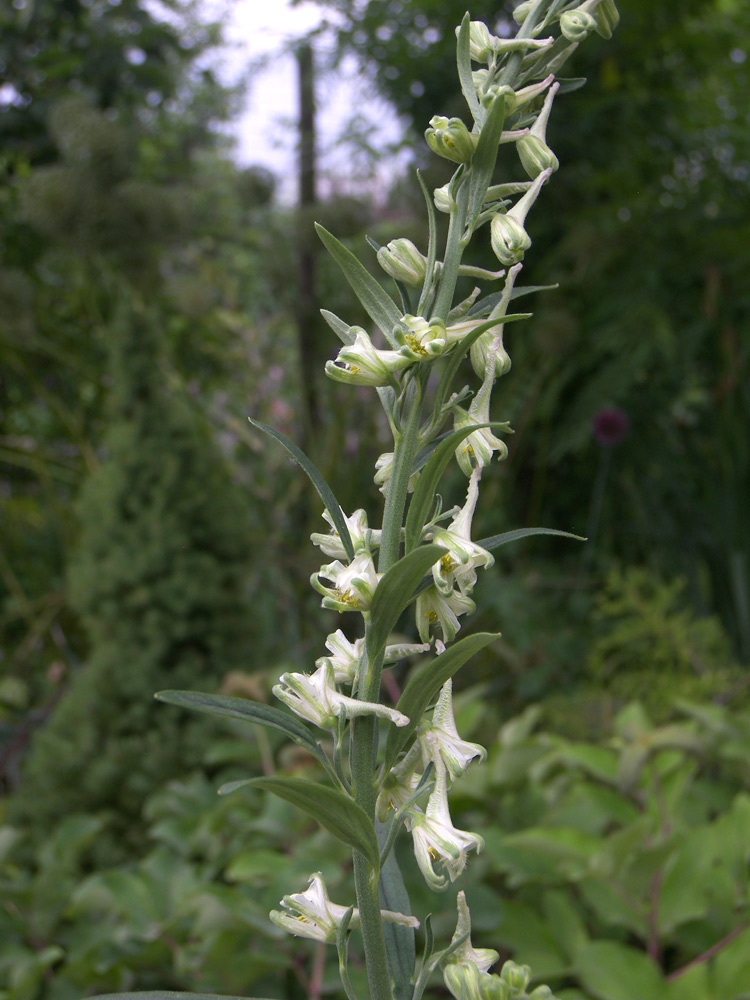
168	995
379	306
247	711
463	58
484	306
399	941
394	592
495	541
338	813
339	327
427	483
325	491
431	246
485	157
424	685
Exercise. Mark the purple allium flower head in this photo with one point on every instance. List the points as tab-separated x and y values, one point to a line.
610	426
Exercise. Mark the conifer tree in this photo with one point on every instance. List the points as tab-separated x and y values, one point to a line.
157	578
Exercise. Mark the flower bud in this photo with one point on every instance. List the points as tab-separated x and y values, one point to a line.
577	24
607	18
481	48
522	10
493	988
450	138
401	259
444	200
509	239
542	993
535	155
462	980
516	976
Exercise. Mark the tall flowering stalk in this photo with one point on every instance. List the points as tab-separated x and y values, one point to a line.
391	768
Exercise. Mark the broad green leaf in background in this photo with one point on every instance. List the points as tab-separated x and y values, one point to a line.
399	941
379	306
612	971
247	711
338	813
326	493
425	684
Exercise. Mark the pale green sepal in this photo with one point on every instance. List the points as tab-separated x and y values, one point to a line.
338	813
495	541
485	157
394	591
339	327
379	306
425	683
399	940
324	490
463	59
247	711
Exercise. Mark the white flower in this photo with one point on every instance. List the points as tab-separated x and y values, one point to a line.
345	657
455	753
458	565
361	363
363	538
434	608
382	477
311	914
352	587
421	340
476	450
314	697
436	841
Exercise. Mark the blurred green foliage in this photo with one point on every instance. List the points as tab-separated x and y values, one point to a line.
616	868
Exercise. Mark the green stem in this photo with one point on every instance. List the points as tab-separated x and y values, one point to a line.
454	246
364	729
525	31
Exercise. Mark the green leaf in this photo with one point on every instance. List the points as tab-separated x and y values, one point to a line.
167	995
463	58
612	971
393	593
379	306
427	483
326	493
485	157
338	813
495	541
247	711
339	327
424	685
431	246
399	941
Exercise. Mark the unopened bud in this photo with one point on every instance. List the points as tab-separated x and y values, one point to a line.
542	993
607	18
516	976
535	155
493	988
444	200
481	48
449	137
509	239
577	24
401	259
462	979
522	10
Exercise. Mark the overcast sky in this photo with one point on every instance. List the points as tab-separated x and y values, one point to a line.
260	28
